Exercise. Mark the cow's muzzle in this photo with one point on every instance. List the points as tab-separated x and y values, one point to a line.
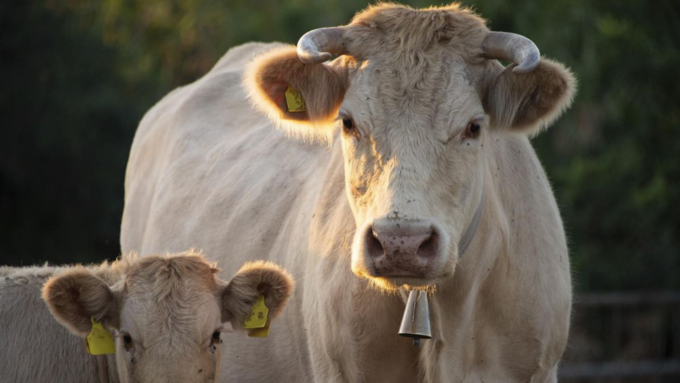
391	248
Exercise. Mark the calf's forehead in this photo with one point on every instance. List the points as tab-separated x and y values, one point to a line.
170	299
189	318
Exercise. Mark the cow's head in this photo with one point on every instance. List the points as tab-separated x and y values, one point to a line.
419	97
166	312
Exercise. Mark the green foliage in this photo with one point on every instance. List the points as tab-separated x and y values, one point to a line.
79	74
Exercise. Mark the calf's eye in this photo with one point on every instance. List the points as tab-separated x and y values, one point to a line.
127	342
472	130
216	337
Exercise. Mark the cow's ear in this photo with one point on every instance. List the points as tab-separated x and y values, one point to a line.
255	279
302	99
76	296
528	102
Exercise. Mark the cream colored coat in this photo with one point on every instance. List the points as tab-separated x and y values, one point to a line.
208	170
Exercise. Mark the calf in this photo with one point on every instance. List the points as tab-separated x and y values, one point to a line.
166	315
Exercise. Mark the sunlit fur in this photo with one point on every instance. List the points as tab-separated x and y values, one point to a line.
321	87
413	80
170	306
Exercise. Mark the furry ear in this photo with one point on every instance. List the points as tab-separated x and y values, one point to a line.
75	296
255	279
529	102
321	88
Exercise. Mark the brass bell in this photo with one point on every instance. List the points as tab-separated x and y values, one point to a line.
416	321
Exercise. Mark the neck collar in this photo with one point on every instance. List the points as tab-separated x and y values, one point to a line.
471	230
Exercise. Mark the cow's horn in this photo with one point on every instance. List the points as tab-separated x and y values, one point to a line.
319	45
511	47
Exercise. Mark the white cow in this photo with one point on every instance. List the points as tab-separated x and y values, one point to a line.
166	314
427	155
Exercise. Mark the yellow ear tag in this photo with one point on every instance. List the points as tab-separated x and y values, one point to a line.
258	315
260	332
99	341
295	101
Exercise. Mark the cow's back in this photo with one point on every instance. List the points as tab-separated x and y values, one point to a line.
205	170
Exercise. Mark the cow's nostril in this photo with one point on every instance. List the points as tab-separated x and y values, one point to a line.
428	249
373	245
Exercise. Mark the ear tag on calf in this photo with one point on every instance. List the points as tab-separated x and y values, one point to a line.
99	341
258	315
260	332
295	101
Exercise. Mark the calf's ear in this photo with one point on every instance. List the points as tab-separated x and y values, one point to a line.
75	296
302	99
528	102
255	279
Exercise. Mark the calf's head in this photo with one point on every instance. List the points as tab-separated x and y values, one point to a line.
166	312
418	95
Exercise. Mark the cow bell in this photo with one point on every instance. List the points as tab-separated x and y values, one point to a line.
416	321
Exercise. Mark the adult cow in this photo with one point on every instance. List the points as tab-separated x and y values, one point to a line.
427	137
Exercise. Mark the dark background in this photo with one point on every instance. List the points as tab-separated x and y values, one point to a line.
77	76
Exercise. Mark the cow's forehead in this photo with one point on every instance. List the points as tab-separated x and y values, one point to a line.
438	96
414	67
398	32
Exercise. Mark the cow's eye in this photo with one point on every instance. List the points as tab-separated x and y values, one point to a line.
472	130
348	124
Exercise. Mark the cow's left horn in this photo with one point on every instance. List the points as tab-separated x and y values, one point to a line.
319	45
512	47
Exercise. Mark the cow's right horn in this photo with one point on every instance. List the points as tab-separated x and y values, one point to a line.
318	45
511	47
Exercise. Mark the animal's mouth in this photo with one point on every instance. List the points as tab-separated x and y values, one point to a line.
392	283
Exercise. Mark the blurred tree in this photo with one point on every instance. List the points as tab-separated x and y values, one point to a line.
612	159
79	75
67	121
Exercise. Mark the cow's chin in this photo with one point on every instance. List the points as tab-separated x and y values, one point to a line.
394	283
391	282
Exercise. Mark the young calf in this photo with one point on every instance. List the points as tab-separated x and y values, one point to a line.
166	313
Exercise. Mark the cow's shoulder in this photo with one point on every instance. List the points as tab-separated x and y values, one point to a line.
218	95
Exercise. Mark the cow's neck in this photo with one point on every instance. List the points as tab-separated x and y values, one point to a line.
470	309
469	233
454	303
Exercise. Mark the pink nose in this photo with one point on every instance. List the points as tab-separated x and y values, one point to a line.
402	250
